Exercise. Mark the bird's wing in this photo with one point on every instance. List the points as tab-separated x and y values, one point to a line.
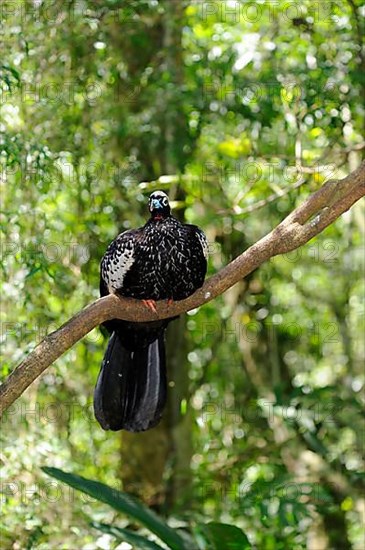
117	261
203	241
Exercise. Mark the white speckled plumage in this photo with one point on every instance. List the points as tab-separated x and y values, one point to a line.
163	259
117	261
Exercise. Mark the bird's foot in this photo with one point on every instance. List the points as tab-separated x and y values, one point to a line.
151	304
170	301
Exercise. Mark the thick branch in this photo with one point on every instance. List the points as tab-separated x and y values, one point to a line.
308	220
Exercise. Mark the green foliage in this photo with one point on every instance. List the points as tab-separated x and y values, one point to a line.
217	535
121	502
222	535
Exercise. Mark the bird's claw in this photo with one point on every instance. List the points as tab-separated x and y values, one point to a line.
151	304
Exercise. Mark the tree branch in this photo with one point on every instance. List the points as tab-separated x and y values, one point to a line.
305	222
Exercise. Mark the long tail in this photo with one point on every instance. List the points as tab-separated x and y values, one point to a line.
131	390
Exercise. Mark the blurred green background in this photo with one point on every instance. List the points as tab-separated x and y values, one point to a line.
239	110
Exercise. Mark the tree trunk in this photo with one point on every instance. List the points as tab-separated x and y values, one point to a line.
146	456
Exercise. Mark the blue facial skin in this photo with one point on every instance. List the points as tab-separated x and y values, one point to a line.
155	203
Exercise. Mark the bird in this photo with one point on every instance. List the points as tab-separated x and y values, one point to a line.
163	260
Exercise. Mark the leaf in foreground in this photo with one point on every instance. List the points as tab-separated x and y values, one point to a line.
122	502
125	535
229	537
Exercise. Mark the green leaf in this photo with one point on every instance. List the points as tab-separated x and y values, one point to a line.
229	537
33	271
235	148
11	70
122	502
125	535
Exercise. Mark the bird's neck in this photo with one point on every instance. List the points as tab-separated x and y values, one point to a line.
159	217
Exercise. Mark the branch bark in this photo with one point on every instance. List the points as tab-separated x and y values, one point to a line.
305	222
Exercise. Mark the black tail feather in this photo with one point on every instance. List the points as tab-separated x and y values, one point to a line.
131	390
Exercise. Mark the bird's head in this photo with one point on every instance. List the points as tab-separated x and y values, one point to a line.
158	205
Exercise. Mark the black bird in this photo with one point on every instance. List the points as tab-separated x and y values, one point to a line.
164	259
